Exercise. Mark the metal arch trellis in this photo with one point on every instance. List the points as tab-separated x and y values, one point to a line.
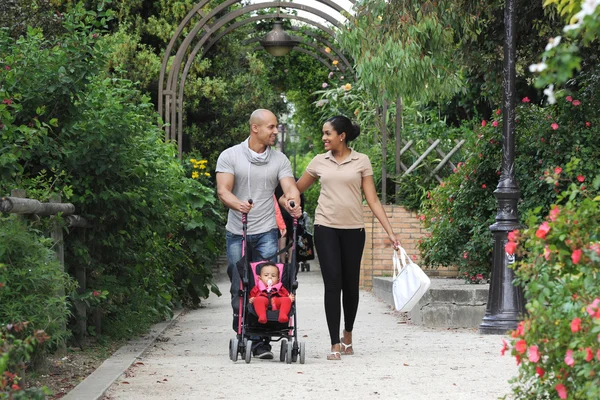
323	40
170	99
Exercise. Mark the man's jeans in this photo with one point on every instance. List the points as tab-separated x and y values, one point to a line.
261	243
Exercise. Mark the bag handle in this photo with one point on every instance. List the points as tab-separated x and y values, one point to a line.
400	262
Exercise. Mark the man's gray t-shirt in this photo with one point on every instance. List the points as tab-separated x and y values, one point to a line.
256	180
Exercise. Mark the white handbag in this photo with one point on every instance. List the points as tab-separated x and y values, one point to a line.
410	282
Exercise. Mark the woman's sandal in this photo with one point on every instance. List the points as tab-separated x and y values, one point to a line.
346	349
334	355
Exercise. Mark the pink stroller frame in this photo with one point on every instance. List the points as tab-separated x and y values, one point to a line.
248	328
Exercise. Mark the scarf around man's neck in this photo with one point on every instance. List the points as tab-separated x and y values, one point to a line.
254	157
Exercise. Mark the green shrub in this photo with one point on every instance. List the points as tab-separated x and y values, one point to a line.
557	344
32	279
458	213
16	348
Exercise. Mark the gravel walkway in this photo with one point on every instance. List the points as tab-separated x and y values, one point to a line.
393	360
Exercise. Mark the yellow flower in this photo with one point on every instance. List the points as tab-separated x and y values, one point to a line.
206	174
347	86
195	166
195	175
380	18
202	166
203	161
335	62
327	50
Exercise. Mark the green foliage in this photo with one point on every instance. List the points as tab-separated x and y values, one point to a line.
402	49
460	211
71	126
556	345
31	281
16	349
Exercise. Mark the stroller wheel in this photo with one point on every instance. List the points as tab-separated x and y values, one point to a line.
233	349
295	352
288	356
302	352
283	350
248	351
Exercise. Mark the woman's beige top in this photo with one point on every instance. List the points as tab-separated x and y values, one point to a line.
340	201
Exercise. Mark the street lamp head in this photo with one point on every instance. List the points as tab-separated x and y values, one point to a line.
278	42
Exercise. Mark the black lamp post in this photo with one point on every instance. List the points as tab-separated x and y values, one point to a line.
281	128
505	305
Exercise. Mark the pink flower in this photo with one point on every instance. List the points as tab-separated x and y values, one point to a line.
495	124
589	354
505	347
466	255
510	247
557	170
521	346
576	325
96	293
543	230
484	186
580	178
595	247
324	85
569	358
561	390
521	328
525	100
554	213
569	98
534	355
576	103
7	68
593	307
554	126
540	371
576	256
483	122
588	124
513	236
547	253
498	111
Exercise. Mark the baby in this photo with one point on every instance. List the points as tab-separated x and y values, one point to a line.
272	289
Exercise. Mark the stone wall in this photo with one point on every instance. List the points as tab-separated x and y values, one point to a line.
377	257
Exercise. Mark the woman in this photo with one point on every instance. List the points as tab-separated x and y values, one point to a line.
339	227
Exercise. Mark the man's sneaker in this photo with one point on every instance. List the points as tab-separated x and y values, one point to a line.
263	353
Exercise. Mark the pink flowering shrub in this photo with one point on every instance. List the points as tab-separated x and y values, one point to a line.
557	345
459	211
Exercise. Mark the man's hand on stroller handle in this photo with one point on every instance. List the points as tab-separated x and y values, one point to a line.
245	206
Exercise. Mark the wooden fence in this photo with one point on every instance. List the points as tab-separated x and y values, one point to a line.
17	203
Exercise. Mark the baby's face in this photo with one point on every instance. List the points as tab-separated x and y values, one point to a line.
269	272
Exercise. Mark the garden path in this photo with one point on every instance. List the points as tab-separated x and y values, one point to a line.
393	360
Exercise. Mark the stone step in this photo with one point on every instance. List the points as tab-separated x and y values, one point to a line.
449	303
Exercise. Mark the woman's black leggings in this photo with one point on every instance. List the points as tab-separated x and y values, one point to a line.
340	252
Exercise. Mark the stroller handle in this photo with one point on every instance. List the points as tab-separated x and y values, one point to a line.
245	217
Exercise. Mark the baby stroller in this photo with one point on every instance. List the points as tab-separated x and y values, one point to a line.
248	326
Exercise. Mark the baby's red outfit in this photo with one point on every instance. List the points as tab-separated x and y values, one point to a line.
280	300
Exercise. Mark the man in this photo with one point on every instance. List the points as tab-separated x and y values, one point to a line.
252	170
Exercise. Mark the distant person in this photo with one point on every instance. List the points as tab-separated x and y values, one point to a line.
270	290
252	170
339	227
